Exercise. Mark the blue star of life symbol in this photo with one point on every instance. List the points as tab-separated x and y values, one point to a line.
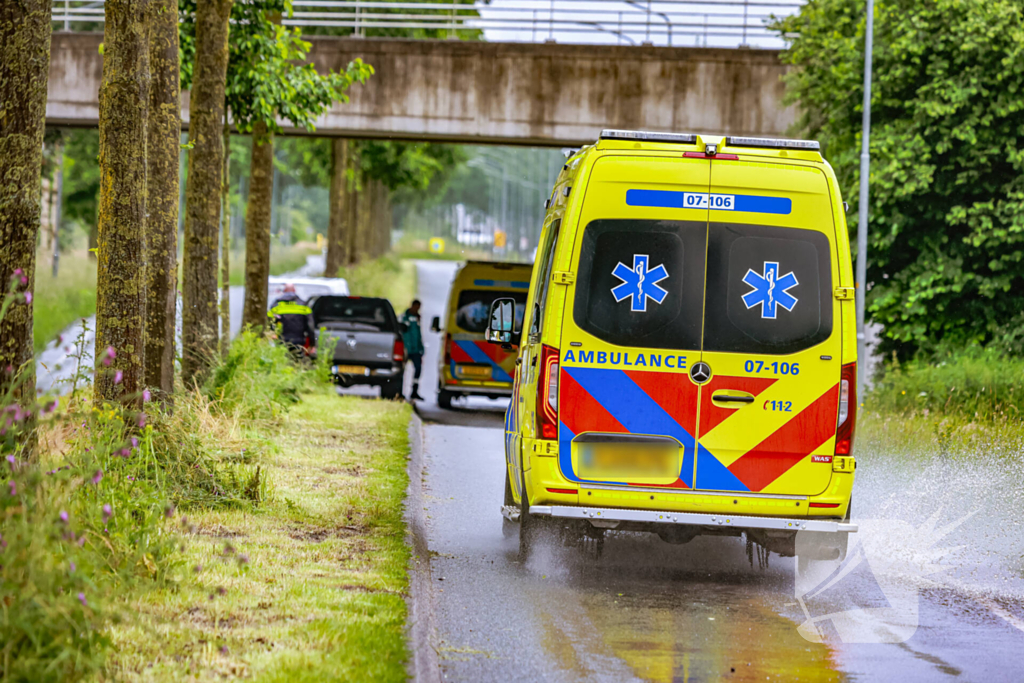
639	283
770	289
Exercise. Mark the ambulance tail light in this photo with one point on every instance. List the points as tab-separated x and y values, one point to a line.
398	352
847	409
547	394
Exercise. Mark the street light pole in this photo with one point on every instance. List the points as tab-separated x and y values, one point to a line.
862	218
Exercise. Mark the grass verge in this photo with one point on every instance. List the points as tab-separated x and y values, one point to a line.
388	276
61	300
310	585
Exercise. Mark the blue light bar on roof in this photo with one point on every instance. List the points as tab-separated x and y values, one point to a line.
774	143
647	136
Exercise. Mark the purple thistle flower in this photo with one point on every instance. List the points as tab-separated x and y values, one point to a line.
24	280
107	513
243	559
125	452
135	442
72	566
13	487
81	599
28	297
17	273
98	477
64	516
118	376
111	353
224	650
142	420
81	541
14	462
146	396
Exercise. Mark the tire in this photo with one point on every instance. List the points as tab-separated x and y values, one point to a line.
529	526
444	399
508	529
390	390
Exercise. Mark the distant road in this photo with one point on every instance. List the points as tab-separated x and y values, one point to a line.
57	364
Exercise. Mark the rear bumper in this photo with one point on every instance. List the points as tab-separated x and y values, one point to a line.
370	375
612	517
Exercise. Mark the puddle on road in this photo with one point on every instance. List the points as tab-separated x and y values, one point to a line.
666	614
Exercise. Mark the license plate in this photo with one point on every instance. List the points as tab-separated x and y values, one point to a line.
475	371
349	370
628	462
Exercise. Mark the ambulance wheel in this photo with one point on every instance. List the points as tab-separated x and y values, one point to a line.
508	529
444	399
529	526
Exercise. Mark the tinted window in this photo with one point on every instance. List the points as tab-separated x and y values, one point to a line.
769	289
374	312
641	282
474	306
547	256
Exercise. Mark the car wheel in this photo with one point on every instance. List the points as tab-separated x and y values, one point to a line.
444	399
391	390
508	529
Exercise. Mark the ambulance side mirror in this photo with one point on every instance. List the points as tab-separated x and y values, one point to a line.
502	322
435	324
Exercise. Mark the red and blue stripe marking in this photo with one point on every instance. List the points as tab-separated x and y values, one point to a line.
480	353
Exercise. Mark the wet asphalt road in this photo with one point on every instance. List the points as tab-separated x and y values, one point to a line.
649	611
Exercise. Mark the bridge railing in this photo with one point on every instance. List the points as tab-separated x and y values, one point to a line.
716	23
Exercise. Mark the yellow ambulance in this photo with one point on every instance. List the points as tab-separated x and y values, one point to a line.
687	358
469	366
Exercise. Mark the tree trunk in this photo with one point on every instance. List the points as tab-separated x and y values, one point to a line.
163	149
202	191
257	228
120	283
24	68
225	245
337	235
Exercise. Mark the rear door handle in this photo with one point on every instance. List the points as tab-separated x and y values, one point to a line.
730	398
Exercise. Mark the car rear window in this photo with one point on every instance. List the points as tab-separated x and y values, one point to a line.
375	312
641	282
474	307
769	289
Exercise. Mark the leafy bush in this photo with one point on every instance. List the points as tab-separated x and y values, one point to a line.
974	385
257	381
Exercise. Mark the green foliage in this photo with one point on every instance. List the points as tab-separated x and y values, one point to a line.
419	168
973	385
61	300
266	74
946	253
257	381
81	176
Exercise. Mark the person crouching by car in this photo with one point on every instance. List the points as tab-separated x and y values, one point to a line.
293	320
412	337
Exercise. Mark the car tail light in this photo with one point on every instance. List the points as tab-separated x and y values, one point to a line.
398	353
447	349
847	409
547	394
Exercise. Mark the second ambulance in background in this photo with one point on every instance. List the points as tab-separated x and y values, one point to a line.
469	366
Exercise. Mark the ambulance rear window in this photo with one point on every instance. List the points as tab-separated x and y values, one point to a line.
641	282
769	289
474	306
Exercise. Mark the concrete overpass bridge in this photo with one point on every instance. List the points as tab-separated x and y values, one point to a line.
501	93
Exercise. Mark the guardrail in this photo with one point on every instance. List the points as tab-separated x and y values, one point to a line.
723	23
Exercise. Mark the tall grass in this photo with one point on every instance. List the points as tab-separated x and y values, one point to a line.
62	300
388	276
971	385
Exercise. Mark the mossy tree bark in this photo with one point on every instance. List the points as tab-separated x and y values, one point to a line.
120	284
202	191
225	245
162	148
257	227
337	233
24	68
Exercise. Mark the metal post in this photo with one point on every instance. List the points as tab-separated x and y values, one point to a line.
57	210
67	27
534	26
745	3
647	39
862	218
551	22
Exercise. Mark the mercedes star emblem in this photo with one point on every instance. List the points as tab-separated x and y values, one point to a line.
700	372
